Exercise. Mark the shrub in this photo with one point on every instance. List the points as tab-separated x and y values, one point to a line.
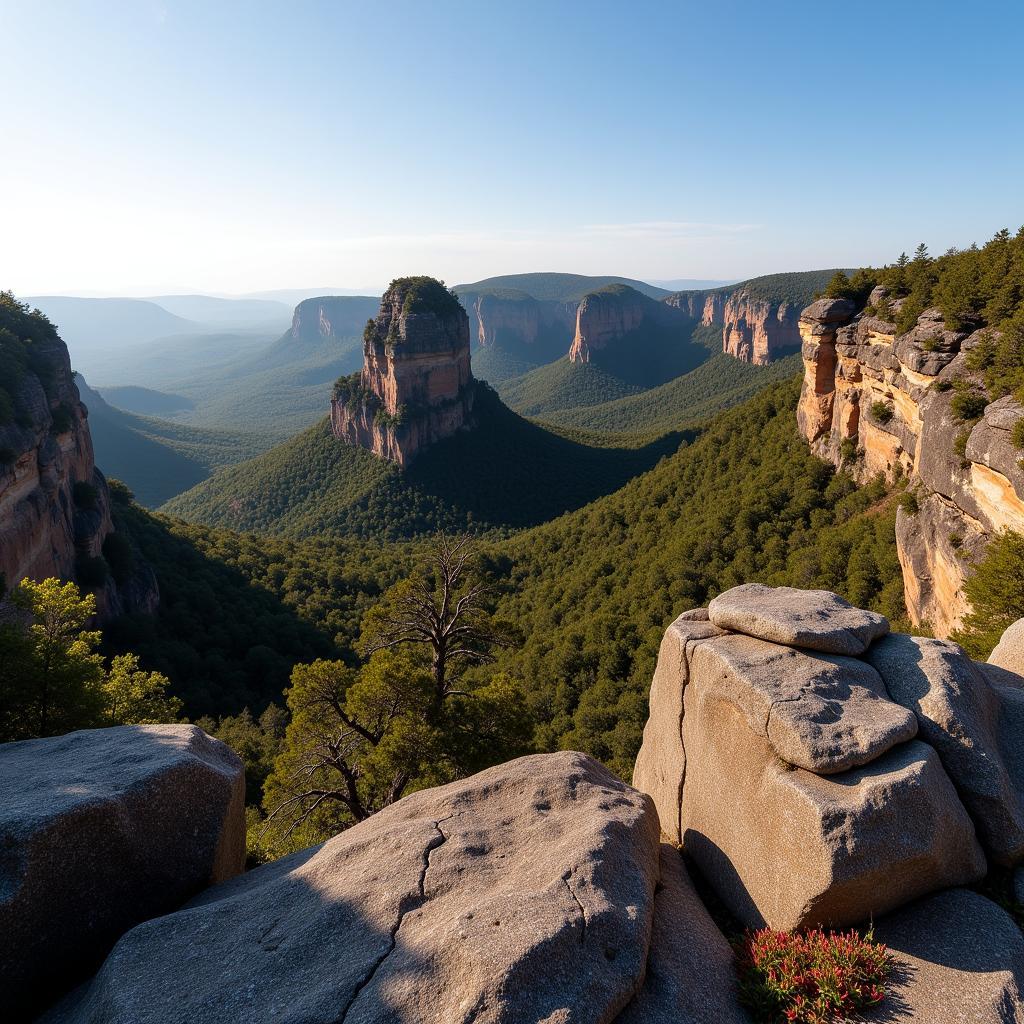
882	412
968	405
85	495
909	503
955	541
61	419
848	449
1017	435
119	491
929	344
960	444
942	385
814	977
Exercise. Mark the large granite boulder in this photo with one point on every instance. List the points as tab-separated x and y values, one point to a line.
958	959
793	778
99	830
1009	652
815	619
523	894
975	732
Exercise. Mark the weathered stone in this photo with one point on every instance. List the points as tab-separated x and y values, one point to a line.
523	894
614	312
1009	652
823	713
829	311
690	975
100	830
959	713
959	959
661	763
815	619
789	848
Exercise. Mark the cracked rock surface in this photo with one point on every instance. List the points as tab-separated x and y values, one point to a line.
522	894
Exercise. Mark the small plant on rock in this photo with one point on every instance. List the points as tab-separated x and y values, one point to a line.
882	412
813	977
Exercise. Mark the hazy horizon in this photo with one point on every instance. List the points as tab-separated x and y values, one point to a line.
183	148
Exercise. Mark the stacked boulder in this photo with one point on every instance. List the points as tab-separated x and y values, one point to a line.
820	770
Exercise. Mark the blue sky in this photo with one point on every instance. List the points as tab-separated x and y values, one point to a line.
229	147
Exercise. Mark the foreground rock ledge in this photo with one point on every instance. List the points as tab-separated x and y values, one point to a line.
99	830
523	894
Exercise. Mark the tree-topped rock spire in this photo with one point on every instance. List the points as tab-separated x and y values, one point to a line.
416	386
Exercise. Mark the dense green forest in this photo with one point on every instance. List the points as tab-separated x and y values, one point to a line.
507	473
561	385
798	288
590	593
554	287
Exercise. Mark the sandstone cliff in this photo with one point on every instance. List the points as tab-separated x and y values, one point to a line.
54	502
879	402
416	386
517	321
611	314
331	316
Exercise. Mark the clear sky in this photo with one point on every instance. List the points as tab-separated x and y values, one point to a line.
214	146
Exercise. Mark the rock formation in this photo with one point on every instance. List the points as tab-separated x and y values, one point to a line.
877	402
518	322
416	386
102	829
612	313
896	772
331	316
54	502
754	329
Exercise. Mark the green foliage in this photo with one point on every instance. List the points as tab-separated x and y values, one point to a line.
848	450
1017	435
909	503
882	412
119	556
968	405
856	287
798	289
257	741
550	287
52	679
813	977
995	591
426	295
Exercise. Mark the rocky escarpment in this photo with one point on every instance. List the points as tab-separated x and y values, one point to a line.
613	313
331	316
54	503
102	829
416	386
518	322
879	402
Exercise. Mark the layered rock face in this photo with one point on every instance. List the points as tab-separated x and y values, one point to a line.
604	317
877	402
100	830
754	330
331	316
416	386
54	502
820	770
517	320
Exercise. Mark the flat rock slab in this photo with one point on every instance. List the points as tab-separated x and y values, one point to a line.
825	714
959	959
690	974
816	619
99	830
963	716
522	894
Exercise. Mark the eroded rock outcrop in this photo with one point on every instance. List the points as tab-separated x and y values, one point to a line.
520	323
99	830
879	402
331	316
613	313
54	502
416	386
523	894
821	788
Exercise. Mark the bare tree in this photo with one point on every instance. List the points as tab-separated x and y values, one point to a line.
444	609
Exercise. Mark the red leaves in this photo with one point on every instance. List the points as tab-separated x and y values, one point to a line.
813	977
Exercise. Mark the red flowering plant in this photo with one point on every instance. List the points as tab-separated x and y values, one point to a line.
812	977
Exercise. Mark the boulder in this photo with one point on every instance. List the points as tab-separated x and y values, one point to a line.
816	619
522	894
825	714
961	715
785	847
661	763
99	830
829	311
690	974
1009	652
958	959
